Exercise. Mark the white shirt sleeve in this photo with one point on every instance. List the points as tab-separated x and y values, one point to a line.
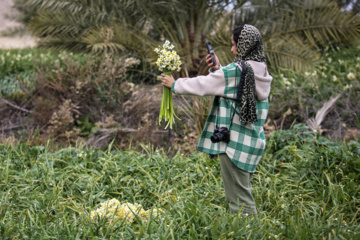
212	84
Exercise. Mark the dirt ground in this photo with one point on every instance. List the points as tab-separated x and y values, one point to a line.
17	42
6	24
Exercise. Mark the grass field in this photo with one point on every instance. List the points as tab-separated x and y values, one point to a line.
306	187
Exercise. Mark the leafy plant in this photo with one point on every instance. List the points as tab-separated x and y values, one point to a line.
18	67
305	187
86	127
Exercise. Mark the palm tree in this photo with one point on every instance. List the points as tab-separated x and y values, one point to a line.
293	31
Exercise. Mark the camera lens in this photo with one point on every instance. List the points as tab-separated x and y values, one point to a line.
214	139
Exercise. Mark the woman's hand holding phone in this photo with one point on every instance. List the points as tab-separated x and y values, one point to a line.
211	59
210	64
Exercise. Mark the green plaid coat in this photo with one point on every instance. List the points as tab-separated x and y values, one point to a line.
247	142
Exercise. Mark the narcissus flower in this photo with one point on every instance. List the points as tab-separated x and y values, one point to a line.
167	57
351	76
113	210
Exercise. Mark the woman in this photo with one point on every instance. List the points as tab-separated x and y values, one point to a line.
240	106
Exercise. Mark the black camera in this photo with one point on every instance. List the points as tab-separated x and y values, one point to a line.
211	52
221	134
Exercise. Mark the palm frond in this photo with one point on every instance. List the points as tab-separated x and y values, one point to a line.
98	39
315	123
321	25
61	25
290	53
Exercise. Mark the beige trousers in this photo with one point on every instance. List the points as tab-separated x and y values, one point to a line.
237	187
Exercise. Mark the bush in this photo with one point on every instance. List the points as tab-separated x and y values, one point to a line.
18	68
296	97
70	101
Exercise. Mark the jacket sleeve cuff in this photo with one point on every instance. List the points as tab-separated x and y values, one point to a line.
211	71
173	87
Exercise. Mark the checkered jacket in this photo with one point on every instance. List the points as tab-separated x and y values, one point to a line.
247	142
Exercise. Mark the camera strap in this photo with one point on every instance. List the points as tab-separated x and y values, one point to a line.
238	95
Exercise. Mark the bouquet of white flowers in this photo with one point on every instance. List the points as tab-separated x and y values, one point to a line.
167	61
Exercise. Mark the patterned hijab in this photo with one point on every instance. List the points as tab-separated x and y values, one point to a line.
249	46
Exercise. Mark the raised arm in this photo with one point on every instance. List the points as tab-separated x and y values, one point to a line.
212	84
209	85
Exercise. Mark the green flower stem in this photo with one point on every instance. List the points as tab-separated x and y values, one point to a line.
167	109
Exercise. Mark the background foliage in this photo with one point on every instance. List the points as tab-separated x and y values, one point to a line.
18	67
292	30
110	89
297	97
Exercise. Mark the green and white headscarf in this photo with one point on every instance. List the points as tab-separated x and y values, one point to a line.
248	47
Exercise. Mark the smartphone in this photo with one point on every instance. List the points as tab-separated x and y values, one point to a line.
211	52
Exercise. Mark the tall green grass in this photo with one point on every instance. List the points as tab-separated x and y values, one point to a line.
306	187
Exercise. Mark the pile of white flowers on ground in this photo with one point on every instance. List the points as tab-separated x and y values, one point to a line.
113	210
168	58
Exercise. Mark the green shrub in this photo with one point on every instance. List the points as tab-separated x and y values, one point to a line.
18	66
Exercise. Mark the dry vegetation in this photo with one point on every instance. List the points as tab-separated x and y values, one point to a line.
91	104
